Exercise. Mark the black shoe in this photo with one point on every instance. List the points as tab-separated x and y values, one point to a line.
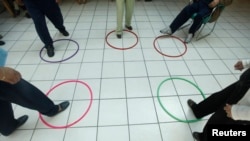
196	136
27	15
129	27
191	103
64	32
21	120
2	43
50	50
61	107
119	36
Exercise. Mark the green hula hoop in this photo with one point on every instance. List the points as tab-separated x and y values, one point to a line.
174	117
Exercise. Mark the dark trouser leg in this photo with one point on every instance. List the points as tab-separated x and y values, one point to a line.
7	121
230	95
245	76
53	12
213	102
34	8
183	16
204	11
197	22
25	94
220	116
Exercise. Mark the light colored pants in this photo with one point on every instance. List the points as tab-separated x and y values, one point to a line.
129	9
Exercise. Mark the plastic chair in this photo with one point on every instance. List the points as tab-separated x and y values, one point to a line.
3	57
208	19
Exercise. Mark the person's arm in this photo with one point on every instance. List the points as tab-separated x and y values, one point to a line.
240	65
246	63
240	112
214	3
9	75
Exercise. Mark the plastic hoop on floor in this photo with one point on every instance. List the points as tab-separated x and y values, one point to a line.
171	115
84	114
120	48
172	37
62	59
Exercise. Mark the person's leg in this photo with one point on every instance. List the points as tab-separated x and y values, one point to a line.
129	12
39	20
183	16
40	24
204	11
245	77
54	14
7	121
119	16
213	102
230	95
197	22
27	95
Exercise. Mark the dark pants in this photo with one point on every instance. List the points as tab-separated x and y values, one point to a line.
216	102
39	10
187	12
24	94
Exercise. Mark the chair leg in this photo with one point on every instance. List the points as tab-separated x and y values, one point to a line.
198	38
9	8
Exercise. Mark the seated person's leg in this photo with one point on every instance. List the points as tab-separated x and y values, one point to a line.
181	18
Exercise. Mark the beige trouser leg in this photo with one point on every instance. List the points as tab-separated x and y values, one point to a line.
129	9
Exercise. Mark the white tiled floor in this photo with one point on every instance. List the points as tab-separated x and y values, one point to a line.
126	84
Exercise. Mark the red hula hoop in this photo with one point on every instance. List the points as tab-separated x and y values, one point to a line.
172	37
84	114
120	48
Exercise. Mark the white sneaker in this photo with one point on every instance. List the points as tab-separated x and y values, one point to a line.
189	38
166	31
